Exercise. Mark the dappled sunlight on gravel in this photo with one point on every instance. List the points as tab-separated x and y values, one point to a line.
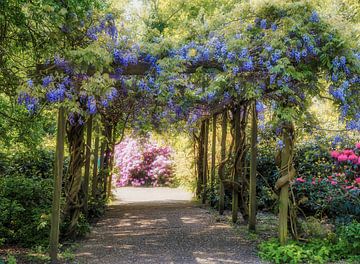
162	225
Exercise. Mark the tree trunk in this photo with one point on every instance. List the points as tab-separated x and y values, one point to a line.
58	174
205	161
213	155
253	169
74	199
95	179
221	170
87	163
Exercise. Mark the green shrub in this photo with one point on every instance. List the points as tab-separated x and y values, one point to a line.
344	246
24	210
349	239
35	164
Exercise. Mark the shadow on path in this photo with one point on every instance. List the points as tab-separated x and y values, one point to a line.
145	230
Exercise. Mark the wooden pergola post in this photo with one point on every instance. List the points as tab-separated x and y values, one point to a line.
253	169
205	161
58	175
95	175
213	154
237	172
200	158
221	171
87	163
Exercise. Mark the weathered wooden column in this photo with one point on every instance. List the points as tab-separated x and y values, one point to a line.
205	161
101	170
95	176
221	171
253	168
87	163
112	158
200	157
237	172
213	154
58	174
105	172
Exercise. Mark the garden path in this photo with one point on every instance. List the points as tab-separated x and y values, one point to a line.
162	225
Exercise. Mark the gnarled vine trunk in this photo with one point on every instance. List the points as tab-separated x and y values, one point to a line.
240	183
287	171
73	191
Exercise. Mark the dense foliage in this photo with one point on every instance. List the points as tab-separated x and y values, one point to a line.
26	187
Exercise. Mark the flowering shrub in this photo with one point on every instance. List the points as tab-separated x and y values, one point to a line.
335	194
143	162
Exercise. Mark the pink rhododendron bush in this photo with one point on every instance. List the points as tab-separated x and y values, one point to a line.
337	193
143	162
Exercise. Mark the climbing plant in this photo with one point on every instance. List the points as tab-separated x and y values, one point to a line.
275	58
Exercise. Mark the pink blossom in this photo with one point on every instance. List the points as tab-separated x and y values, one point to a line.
333	182
357	145
353	158
342	158
357	180
300	179
348	152
334	154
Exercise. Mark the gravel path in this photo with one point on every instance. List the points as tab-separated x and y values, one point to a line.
162	225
